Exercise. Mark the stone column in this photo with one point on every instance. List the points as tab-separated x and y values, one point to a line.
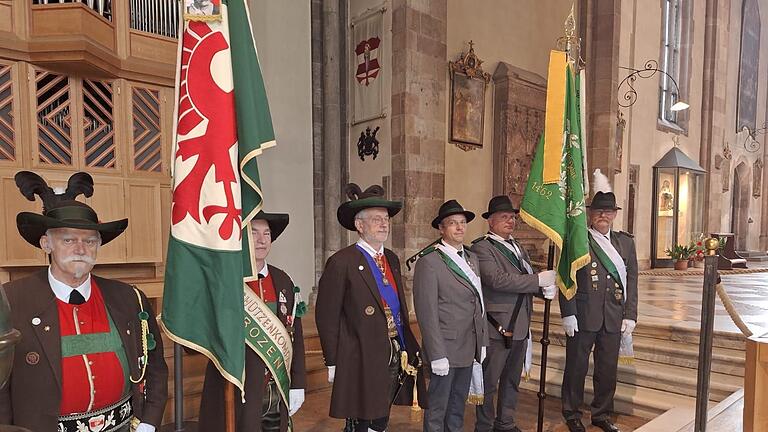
329	125
600	28
713	94
419	117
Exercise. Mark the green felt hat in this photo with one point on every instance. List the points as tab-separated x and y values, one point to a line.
359	200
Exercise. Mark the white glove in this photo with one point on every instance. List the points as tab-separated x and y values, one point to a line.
145	427
331	373
547	278
296	399
571	325
482	354
628	326
440	367
549	292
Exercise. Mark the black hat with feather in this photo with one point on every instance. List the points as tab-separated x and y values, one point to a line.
60	210
362	199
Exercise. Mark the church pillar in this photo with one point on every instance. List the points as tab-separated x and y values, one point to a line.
713	93
328	125
600	33
419	92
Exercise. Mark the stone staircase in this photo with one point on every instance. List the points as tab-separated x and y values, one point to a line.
754	256
663	376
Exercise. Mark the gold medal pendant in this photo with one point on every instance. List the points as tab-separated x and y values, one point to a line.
391	327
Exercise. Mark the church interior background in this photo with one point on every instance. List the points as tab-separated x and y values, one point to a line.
433	99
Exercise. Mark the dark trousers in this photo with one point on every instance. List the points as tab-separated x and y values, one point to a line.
606	359
501	373
270	420
447	395
380	424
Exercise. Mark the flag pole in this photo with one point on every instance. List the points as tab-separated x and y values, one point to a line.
544	345
229	406
178	386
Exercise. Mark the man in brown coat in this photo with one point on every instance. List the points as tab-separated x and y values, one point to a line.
263	410
85	361
362	318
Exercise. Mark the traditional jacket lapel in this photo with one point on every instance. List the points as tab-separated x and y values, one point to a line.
48	313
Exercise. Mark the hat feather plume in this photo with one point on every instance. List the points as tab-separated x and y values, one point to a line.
31	184
600	182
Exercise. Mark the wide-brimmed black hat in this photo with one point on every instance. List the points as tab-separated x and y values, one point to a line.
451	207
499	203
61	210
277	222
603	201
361	200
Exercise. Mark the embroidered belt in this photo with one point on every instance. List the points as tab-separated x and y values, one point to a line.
108	419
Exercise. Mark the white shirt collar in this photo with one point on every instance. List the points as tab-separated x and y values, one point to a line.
608	236
62	290
369	249
264	271
460	249
498	237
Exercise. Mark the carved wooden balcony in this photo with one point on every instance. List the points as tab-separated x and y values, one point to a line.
134	39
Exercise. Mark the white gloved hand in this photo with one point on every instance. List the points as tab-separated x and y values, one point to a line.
571	325
441	367
331	373
145	427
547	278
628	326
296	399
549	292
482	354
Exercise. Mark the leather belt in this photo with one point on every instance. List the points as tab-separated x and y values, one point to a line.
108	419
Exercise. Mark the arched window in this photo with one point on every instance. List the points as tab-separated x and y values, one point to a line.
749	63
673	37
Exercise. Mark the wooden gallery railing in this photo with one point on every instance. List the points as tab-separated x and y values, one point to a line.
160	17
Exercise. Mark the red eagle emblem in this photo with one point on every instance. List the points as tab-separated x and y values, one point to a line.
368	62
204	104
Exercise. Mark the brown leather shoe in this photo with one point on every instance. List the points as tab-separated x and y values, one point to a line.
606	425
575	425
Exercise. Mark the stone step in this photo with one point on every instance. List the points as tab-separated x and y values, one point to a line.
629	398
652	375
653	330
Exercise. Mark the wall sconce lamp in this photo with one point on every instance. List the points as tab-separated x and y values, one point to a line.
751	144
630	95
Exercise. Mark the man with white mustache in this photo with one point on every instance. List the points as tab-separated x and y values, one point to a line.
90	355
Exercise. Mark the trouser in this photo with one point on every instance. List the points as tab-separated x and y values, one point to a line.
447	395
270	419
380	424
501	372
606	359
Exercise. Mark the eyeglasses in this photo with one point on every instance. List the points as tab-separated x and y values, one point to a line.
377	220
453	223
605	212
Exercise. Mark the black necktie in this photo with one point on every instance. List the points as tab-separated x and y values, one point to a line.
76	298
460	253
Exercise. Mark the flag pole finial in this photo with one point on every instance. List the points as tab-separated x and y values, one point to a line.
570	42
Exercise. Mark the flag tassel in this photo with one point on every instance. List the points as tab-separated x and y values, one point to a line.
544	345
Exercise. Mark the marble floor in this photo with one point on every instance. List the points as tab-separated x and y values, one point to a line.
676	300
313	416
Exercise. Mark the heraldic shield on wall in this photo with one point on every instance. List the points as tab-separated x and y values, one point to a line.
367	68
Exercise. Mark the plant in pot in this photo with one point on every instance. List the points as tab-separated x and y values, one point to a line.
698	252
680	254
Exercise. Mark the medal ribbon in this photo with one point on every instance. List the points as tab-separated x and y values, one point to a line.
387	293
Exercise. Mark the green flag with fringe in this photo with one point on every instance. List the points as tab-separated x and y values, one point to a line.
557	208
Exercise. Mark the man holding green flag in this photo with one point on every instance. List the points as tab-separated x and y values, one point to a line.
223	123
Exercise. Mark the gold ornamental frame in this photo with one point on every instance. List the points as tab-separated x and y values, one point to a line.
468	86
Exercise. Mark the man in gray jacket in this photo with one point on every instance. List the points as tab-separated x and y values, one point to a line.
448	299
604	308
509	284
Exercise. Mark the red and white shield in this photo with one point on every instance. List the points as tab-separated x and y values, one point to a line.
96	424
367	60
